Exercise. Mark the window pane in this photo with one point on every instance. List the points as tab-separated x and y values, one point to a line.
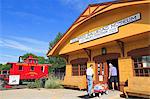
146	72
83	69
141	72
4	72
42	69
148	59
139	59
75	71
135	65
142	66
136	72
32	67
20	68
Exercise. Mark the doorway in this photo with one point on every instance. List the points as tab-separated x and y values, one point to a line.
101	72
114	62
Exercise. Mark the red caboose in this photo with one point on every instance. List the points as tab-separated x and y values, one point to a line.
29	69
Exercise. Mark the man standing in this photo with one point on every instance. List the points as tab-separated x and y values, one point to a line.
113	75
89	74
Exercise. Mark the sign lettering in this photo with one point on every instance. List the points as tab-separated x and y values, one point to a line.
107	30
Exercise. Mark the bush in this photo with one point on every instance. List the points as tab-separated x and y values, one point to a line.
31	85
35	84
53	83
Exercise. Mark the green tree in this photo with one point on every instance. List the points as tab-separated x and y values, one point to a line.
27	55
56	61
57	38
41	60
5	66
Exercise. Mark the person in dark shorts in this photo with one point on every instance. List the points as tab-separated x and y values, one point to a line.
113	76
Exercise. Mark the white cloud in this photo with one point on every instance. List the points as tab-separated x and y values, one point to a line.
30	40
20	45
7	58
25	44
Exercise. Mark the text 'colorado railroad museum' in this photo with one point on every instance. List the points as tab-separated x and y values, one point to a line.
114	32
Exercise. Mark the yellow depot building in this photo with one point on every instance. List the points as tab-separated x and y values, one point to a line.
116	32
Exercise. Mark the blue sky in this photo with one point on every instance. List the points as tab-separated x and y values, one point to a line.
27	26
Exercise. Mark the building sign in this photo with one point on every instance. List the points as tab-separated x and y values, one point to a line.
14	79
106	30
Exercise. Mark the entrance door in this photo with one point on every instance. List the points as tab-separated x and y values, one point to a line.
102	72
115	64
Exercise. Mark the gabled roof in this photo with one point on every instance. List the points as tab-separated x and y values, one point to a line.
91	11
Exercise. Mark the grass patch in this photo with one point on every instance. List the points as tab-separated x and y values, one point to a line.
35	84
53	83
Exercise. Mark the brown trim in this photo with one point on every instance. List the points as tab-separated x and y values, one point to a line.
84	15
79	17
79	69
66	57
139	52
114	2
109	4
88	52
89	10
96	73
96	9
90	14
79	61
108	56
121	45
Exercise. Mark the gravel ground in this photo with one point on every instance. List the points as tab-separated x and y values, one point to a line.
52	94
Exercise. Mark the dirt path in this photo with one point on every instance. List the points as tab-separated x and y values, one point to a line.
51	94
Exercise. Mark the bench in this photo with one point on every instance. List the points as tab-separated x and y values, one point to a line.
138	86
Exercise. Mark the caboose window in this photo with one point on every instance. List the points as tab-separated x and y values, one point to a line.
32	68
30	61
20	68
34	61
4	72
42	68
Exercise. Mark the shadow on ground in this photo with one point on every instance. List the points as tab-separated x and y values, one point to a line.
86	97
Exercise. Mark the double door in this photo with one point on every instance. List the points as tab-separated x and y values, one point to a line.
102	72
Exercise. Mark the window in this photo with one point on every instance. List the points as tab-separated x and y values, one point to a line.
83	69
30	60
32	68
35	61
98	68
78	69
20	68
75	70
142	66
5	72
42	68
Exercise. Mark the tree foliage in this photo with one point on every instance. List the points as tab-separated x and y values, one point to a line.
57	38
41	60
56	61
27	55
5	66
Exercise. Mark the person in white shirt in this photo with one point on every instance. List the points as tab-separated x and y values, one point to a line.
89	74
